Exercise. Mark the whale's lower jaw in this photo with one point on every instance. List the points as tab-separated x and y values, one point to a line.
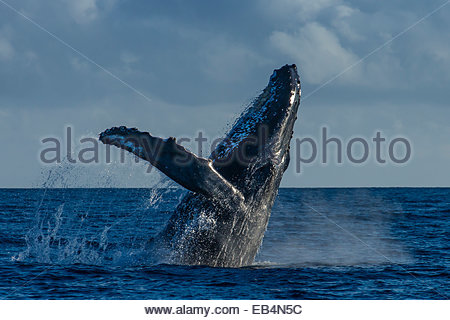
222	220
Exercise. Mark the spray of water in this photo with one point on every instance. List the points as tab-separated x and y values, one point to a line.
346	229
83	226
87	226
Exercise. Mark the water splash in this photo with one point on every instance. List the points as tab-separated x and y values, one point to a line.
76	225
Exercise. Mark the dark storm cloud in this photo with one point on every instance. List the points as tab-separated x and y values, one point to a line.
204	52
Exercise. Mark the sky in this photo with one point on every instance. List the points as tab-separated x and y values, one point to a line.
175	68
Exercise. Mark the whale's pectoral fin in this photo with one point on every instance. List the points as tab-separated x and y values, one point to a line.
192	172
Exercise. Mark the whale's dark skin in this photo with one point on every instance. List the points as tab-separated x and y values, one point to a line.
222	219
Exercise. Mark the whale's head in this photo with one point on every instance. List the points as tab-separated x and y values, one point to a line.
255	153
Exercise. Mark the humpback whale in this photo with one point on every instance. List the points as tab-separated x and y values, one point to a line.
222	218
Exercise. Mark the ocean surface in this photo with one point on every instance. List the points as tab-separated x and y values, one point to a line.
345	243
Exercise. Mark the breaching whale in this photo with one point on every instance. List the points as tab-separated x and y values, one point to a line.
222	219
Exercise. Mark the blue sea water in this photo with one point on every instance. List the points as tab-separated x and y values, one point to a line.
345	243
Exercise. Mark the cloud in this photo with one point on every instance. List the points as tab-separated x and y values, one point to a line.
6	49
344	23
80	65
83	11
128	57
217	55
317	49
86	11
301	10
226	59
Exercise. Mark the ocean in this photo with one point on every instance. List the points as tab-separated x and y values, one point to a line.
321	243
